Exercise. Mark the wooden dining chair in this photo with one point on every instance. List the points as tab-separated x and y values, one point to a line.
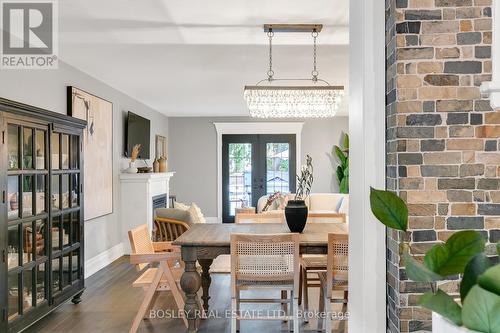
311	265
167	230
334	282
271	217
260	262
165	277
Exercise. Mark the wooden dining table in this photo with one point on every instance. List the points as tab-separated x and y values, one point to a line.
205	242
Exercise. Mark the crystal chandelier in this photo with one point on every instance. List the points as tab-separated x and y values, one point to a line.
317	100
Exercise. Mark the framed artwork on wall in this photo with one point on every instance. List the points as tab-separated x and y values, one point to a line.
98	148
161	146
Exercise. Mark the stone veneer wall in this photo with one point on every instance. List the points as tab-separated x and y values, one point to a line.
442	139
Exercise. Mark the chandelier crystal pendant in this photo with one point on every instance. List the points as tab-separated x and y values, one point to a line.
318	99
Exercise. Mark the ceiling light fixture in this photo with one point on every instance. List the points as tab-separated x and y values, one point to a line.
316	100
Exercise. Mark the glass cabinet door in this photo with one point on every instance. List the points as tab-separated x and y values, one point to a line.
65	211
27	218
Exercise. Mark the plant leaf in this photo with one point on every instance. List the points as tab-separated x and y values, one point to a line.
443	304
451	257
346	141
481	311
475	267
340	173
340	154
389	209
344	185
418	272
490	280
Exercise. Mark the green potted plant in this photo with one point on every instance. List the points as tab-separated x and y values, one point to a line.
342	171
478	307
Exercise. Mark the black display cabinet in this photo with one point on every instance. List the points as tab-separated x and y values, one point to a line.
41	213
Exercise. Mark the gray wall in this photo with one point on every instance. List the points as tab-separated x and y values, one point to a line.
47	89
192	147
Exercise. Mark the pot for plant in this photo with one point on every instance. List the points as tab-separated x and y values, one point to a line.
443	325
296	215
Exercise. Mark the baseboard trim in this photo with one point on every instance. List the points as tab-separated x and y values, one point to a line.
93	265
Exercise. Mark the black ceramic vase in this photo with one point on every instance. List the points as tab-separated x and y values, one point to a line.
296	215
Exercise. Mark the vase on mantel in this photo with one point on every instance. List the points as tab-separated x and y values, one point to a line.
131	168
156	165
163	164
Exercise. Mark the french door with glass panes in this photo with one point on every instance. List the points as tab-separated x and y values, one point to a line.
42	222
253	166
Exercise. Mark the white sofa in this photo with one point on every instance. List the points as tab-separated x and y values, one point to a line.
317	203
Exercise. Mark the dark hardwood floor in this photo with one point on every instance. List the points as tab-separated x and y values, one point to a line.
110	302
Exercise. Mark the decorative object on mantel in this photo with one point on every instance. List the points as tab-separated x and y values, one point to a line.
161	146
133	157
156	165
162	164
296	210
145	169
318	99
463	254
98	149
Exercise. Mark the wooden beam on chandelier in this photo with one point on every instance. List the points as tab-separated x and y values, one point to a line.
280	27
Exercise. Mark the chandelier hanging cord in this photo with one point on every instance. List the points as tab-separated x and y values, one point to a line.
270	72
314	72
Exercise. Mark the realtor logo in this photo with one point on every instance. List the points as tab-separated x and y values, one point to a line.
29	34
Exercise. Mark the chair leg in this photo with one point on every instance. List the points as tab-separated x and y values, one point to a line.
306	292
147	300
328	317
284	306
301	279
321	309
238	311
295	303
344	322
233	315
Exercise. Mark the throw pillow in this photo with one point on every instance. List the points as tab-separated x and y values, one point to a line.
196	214
181	206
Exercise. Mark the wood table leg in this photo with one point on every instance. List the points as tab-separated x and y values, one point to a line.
205	281
190	283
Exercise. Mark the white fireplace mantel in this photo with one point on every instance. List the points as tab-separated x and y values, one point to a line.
137	193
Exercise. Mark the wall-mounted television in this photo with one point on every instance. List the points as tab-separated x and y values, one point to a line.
138	131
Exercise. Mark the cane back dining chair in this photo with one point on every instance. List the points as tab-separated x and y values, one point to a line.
311	264
334	282
260	262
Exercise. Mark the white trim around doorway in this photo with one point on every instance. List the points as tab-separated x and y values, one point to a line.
252	128
367	237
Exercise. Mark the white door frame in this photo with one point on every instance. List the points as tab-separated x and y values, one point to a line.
367	237
253	128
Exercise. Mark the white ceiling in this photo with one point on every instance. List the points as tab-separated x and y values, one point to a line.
192	58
